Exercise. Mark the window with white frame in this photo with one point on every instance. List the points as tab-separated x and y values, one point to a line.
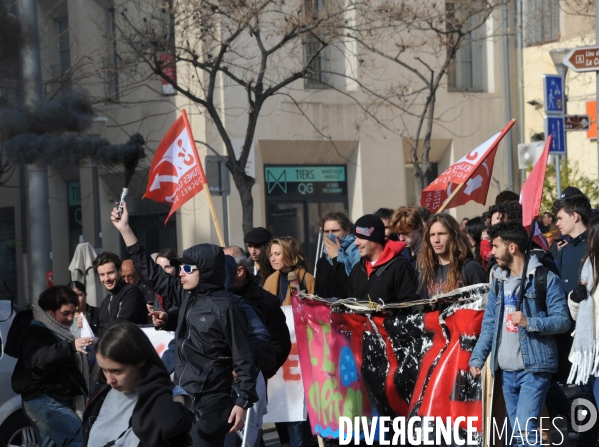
467	68
64	45
314	54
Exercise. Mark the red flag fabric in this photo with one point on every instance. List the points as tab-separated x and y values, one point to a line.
474	169
176	174
532	190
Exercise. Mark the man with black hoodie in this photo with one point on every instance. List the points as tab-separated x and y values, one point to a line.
246	286
382	273
125	301
212	339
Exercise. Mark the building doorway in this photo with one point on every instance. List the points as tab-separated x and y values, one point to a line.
298	195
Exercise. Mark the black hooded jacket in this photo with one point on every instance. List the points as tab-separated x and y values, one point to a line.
45	364
156	420
125	302
273	318
213	338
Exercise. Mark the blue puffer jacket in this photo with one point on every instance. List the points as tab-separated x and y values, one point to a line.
537	343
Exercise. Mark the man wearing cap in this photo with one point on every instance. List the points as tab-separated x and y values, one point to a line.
212	340
382	273
256	240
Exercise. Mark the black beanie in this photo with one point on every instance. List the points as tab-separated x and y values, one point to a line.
258	236
371	228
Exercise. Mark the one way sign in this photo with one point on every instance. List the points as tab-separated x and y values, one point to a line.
577	122
554	125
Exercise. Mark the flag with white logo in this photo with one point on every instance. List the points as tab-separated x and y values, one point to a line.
176	174
473	171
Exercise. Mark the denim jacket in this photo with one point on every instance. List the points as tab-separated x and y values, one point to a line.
537	344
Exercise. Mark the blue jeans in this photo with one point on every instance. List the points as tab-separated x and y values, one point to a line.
524	394
300	434
56	421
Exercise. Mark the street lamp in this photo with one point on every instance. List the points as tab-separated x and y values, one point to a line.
98	128
557	56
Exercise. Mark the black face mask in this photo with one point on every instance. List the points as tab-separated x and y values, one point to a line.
394	237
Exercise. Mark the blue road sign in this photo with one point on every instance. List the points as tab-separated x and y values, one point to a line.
554	125
553	87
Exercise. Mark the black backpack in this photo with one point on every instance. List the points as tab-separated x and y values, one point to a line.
564	340
540	286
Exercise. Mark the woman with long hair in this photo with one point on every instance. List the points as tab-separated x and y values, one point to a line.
445	261
286	256
91	313
136	403
51	373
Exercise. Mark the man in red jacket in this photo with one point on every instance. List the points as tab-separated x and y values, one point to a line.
383	274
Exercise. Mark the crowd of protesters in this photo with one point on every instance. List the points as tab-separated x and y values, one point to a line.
225	309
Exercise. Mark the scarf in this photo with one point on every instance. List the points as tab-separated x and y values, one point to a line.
348	254
585	352
64	333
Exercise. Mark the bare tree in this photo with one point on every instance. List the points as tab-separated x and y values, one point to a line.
256	48
412	49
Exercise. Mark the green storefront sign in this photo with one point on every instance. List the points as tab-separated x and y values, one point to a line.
303	180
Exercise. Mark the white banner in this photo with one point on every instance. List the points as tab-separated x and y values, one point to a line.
285	389
159	339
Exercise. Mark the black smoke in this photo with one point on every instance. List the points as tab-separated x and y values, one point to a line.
51	134
60	151
66	113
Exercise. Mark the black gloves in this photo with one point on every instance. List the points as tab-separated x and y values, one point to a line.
579	293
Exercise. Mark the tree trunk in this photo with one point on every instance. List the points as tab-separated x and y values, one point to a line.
419	185
244	184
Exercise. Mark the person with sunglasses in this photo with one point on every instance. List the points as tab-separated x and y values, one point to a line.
212	340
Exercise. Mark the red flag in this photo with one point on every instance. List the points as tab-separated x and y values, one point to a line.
474	169
176	174
532	190
531	195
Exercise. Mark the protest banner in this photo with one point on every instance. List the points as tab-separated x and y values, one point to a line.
159	339
397	360
285	388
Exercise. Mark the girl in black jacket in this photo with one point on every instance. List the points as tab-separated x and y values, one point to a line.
135	403
51	373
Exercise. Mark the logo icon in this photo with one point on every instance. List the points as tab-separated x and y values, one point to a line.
582	410
365	231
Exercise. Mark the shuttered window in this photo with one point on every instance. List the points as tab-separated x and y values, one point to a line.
542	22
